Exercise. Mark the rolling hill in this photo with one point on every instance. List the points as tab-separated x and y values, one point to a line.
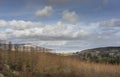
103	54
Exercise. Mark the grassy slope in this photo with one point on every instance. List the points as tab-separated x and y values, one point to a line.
39	64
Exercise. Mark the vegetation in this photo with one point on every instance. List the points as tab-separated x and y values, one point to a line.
104	58
44	64
109	55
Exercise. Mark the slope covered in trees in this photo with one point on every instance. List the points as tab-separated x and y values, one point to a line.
101	55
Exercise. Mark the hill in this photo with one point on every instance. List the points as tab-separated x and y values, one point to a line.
8	45
103	54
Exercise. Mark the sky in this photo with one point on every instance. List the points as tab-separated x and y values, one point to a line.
62	25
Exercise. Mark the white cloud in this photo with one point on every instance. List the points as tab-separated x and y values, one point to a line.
3	23
27	29
2	35
59	31
45	12
68	16
60	34
53	43
20	24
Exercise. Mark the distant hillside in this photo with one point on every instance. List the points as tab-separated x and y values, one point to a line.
8	45
103	54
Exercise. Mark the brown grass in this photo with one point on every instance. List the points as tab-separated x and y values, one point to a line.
41	64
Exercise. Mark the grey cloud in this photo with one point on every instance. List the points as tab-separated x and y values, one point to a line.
45	12
59	1
111	23
70	17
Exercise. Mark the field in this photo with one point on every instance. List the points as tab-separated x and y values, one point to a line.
44	64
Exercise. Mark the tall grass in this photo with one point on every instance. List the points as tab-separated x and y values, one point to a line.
43	64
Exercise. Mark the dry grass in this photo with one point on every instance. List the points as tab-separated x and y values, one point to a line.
41	64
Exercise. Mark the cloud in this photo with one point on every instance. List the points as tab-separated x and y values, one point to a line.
3	23
53	43
38	31
70	17
111	23
2	35
57	35
60	31
20	24
45	12
59	1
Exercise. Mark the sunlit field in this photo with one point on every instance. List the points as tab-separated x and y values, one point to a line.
44	64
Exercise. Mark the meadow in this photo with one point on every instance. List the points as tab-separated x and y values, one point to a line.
45	64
